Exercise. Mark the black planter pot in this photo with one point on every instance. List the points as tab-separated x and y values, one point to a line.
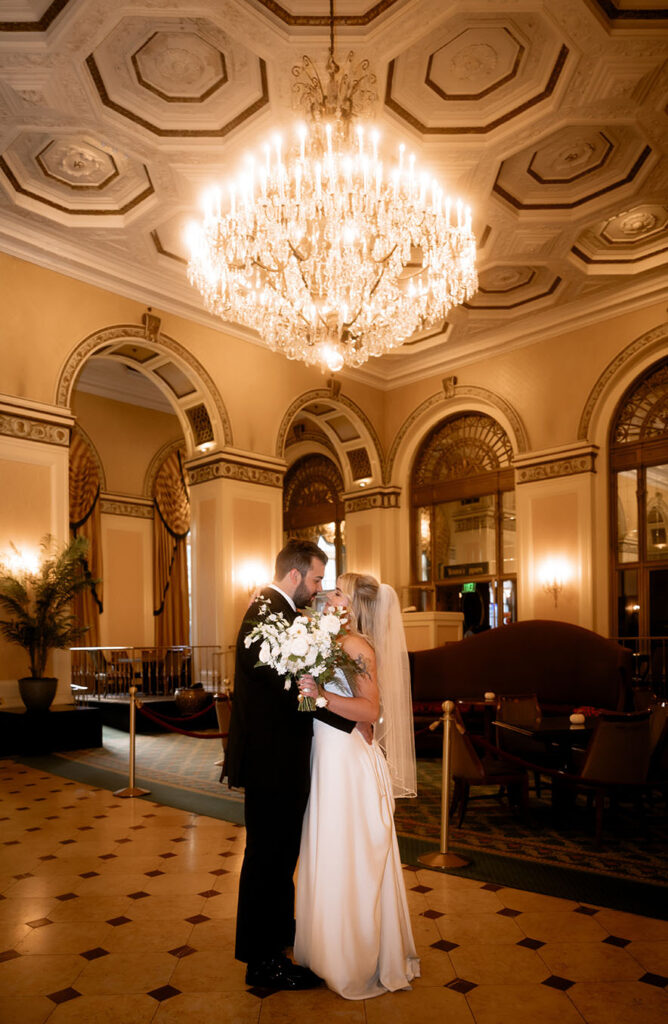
38	694
191	699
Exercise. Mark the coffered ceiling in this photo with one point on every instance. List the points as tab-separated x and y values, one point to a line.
549	116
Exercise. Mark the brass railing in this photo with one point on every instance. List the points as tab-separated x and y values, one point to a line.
155	671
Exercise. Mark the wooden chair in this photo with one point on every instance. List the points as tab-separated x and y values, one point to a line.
469	769
658	742
616	761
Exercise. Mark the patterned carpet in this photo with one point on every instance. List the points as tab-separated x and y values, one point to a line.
634	846
628	871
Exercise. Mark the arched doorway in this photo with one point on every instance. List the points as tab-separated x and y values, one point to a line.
639	520
463	521
313	509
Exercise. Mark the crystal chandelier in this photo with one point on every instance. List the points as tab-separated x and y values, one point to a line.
329	255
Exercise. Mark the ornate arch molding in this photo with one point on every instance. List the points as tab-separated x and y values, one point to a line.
461	398
616	375
162	343
368	431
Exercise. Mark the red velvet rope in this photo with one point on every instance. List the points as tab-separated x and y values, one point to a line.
184	732
184	718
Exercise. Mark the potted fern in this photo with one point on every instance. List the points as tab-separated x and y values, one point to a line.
39	617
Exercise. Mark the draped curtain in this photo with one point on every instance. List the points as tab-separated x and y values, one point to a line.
171	524
85	522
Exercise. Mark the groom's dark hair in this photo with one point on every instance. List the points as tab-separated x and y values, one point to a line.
297	554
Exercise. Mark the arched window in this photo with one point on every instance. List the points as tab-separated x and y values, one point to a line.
639	515
313	509
463	501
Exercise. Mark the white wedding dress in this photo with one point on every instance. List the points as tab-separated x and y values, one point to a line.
353	925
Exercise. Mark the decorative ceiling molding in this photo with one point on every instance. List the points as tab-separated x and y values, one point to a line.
40	24
615	12
322	20
218	132
475	129
102	192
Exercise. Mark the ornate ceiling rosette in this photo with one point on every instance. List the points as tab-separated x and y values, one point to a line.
631	241
72	176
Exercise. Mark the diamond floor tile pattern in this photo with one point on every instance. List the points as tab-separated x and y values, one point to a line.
181	963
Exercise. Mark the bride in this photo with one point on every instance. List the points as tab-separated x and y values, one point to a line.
353	925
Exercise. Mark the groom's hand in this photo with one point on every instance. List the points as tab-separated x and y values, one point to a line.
366	728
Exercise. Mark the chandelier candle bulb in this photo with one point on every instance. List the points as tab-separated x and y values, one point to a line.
320	259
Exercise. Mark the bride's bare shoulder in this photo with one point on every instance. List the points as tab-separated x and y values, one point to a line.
359	649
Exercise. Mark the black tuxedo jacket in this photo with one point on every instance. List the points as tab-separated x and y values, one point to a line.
269	742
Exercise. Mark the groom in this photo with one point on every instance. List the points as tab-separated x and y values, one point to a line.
268	753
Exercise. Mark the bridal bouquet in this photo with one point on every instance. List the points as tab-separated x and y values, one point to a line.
309	644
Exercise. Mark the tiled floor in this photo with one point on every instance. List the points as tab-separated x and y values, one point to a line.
123	911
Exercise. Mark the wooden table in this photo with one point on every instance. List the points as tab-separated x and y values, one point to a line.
557	730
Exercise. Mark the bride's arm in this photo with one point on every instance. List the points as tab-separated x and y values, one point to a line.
365	705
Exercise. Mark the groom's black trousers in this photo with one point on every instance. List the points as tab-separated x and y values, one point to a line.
265	911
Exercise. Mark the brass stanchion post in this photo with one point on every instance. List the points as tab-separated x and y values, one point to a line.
443	859
131	789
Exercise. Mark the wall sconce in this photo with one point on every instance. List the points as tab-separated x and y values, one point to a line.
206	446
364	481
22	561
553	575
251	576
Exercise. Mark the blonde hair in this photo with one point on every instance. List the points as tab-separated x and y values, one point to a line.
362	590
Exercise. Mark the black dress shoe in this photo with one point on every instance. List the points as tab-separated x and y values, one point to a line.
281	973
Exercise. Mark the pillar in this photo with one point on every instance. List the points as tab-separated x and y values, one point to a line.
555	534
236	502
34	482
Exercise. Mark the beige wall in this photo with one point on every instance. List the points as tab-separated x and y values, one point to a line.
126	437
33	485
546	384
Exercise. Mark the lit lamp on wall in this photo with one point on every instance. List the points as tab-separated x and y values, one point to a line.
22	561
251	576
554	573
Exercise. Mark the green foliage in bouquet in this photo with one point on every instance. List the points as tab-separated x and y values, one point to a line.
38	604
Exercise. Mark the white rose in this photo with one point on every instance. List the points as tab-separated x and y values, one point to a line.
330	623
265	653
288	683
299	646
321	702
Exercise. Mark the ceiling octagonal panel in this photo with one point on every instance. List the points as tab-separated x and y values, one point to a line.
316	12
473	74
635	239
505	287
178	77
571	155
179	67
30	15
73	175
77	164
474	63
573	166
